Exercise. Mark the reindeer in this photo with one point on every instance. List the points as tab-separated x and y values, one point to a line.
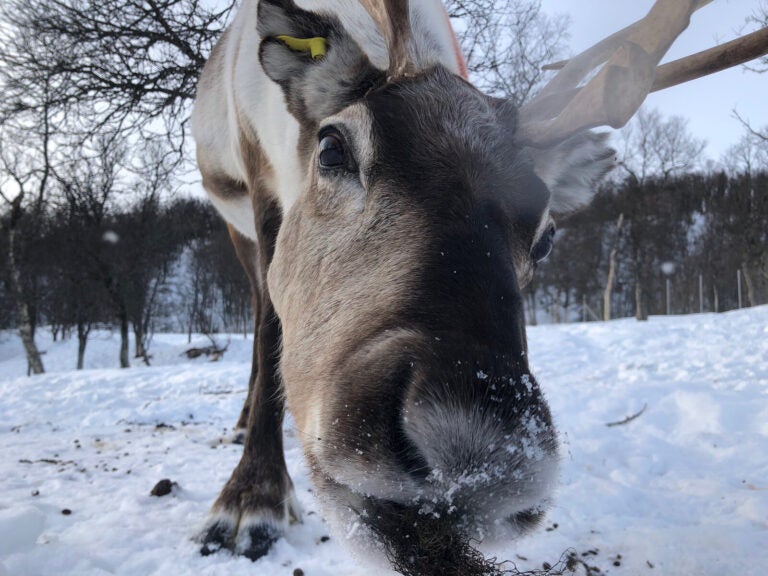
388	215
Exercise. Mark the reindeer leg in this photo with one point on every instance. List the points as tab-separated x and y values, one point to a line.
258	502
248	255
241	428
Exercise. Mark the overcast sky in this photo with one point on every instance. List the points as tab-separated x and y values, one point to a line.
708	102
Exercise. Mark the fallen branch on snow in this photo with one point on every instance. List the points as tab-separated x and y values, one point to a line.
628	419
213	351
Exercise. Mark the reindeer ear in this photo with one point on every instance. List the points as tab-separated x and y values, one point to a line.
573	169
318	77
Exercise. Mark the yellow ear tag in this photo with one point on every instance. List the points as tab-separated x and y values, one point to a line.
315	46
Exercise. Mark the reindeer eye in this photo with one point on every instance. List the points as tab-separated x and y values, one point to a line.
332	153
543	247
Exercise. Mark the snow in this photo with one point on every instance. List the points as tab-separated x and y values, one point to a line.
682	488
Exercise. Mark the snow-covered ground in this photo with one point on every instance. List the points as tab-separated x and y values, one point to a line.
680	490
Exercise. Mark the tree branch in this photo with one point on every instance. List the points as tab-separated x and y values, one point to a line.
628	419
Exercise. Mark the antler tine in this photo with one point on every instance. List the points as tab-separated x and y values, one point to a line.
713	60
710	61
574	70
618	89
393	20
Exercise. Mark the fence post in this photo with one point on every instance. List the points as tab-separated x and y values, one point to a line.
667	296
701	294
738	284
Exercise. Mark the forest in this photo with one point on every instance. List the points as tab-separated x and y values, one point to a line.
687	243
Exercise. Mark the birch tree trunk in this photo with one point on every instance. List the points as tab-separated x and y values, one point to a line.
26	332
139	340
123	318
641	310
748	281
83	330
611	271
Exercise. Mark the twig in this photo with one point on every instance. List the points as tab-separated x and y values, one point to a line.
628	419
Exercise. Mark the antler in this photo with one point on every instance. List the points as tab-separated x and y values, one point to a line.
392	17
630	72
715	59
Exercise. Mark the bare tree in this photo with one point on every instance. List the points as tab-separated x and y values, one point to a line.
749	155
759	19
25	171
26	330
151	243
759	134
202	302
506	43
655	146
76	298
88	185
117	66
111	69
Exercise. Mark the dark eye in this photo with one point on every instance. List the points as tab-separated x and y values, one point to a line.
332	153
543	247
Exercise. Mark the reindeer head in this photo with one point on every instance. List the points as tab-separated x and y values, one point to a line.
397	274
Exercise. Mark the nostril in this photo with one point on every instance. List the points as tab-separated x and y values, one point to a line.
408	455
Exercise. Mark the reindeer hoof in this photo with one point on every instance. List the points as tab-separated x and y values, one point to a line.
238	436
252	541
217	536
251	530
256	540
252	536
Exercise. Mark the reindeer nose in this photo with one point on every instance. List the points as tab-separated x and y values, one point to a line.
478	431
